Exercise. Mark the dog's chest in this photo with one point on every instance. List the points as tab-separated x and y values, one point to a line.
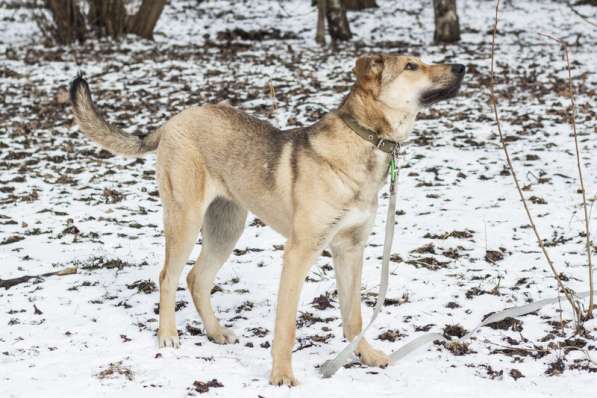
363	204
357	215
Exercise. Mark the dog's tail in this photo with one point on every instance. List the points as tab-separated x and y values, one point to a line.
95	126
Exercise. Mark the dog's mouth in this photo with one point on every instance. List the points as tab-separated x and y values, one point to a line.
439	94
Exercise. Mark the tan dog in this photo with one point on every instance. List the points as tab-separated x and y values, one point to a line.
318	186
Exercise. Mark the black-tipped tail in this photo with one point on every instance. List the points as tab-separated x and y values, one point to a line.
79	83
95	126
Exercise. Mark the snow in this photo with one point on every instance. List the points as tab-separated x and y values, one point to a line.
451	180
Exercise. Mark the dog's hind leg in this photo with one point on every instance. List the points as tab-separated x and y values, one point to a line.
186	193
181	227
223	225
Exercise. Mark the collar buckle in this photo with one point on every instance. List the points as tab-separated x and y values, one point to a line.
370	135
396	149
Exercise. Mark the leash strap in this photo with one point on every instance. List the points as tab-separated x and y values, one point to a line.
331	366
512	312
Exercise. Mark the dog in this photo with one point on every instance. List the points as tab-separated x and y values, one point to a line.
317	186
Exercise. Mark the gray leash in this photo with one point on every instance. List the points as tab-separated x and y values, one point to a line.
512	312
331	366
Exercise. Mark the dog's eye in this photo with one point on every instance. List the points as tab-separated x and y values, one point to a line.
411	66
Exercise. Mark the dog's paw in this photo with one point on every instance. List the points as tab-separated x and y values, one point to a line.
372	357
282	378
222	336
168	341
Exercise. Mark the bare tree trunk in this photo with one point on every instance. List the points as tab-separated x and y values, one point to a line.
144	21
337	20
68	21
320	35
107	17
447	26
356	5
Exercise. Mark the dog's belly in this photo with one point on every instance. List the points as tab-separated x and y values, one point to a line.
273	214
272	207
280	226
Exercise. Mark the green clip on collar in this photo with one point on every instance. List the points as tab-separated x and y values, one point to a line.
393	170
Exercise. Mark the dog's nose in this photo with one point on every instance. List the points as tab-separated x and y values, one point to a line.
458	69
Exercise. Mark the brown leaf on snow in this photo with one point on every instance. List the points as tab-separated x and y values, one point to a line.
203	386
516	374
115	370
493	256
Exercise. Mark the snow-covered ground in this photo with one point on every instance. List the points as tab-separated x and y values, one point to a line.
63	202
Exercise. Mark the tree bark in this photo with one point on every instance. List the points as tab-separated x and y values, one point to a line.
144	21
107	17
357	5
68	21
337	21
447	26
320	34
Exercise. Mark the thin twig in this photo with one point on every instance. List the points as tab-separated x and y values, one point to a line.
582	184
8	283
535	349
589	358
514	176
571	95
272	93
584	17
589	313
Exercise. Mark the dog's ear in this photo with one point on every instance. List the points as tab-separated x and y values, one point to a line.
368	70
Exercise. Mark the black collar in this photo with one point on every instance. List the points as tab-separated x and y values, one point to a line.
387	146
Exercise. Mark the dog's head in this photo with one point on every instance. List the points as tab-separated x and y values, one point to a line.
405	82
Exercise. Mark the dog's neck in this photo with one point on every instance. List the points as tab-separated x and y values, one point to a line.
401	122
390	123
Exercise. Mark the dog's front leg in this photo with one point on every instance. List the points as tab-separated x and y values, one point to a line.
299	255
348	251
